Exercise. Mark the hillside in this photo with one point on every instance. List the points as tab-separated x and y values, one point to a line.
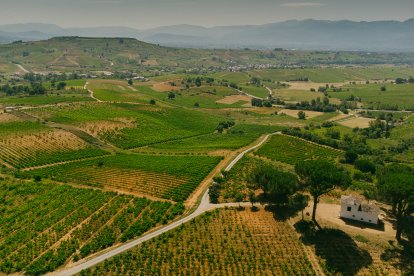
121	54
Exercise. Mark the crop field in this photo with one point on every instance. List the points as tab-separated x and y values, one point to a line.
292	150
290	95
237	137
25	144
396	96
43	226
223	242
334	75
49	99
114	92
142	125
168	177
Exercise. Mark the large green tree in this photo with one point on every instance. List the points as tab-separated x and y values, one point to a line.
278	186
396	186
320	177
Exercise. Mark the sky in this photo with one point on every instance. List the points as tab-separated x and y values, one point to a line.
144	14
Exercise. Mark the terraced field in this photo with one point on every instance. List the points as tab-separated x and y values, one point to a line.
43	226
168	177
26	144
292	150
217	243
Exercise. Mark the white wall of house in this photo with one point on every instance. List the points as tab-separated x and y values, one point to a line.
352	212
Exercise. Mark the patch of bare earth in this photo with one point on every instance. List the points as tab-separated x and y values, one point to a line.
99	128
234	99
354	122
165	86
294	113
7	118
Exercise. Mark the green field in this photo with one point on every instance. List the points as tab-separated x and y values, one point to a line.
168	177
237	137
395	97
292	150
43	226
44	100
145	125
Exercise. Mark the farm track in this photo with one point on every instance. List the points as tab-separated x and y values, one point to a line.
203	206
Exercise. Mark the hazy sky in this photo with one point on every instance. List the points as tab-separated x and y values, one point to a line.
150	13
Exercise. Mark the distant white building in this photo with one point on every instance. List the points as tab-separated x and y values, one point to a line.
354	209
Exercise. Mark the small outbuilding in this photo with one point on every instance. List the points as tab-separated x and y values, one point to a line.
353	208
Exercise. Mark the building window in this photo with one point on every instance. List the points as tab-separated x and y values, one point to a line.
353	216
362	219
349	209
369	220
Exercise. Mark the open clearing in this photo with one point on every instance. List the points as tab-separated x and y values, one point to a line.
235	99
294	113
353	122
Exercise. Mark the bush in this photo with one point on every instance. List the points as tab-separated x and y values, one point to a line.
365	165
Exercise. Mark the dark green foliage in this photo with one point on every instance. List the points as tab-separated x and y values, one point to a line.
365	166
396	186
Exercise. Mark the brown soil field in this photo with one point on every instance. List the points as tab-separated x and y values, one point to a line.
7	117
235	99
356	122
99	128
166	86
294	113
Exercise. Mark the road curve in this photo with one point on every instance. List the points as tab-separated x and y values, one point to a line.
204	206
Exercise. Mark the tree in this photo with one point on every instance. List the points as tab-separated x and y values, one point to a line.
383	88
301	115
320	177
277	186
252	198
396	186
130	82
300	202
214	192
365	166
152	101
350	156
171	95
61	85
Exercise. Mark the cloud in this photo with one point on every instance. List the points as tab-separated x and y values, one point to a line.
302	5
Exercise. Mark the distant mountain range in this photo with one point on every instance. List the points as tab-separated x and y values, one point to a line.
309	34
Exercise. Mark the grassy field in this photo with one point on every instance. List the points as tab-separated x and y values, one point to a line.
43	226
44	100
292	150
27	144
168	177
225	242
395	96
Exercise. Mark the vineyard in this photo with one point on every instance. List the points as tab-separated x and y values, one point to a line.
292	150
237	137
225	242
25	144
133	125
43	226
168	177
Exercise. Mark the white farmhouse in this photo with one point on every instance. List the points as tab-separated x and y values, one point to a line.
353	208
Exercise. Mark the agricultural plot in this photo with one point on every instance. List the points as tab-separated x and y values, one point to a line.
26	144
120	92
43	226
217	243
140	125
237	137
396	96
168	177
49	99
292	150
